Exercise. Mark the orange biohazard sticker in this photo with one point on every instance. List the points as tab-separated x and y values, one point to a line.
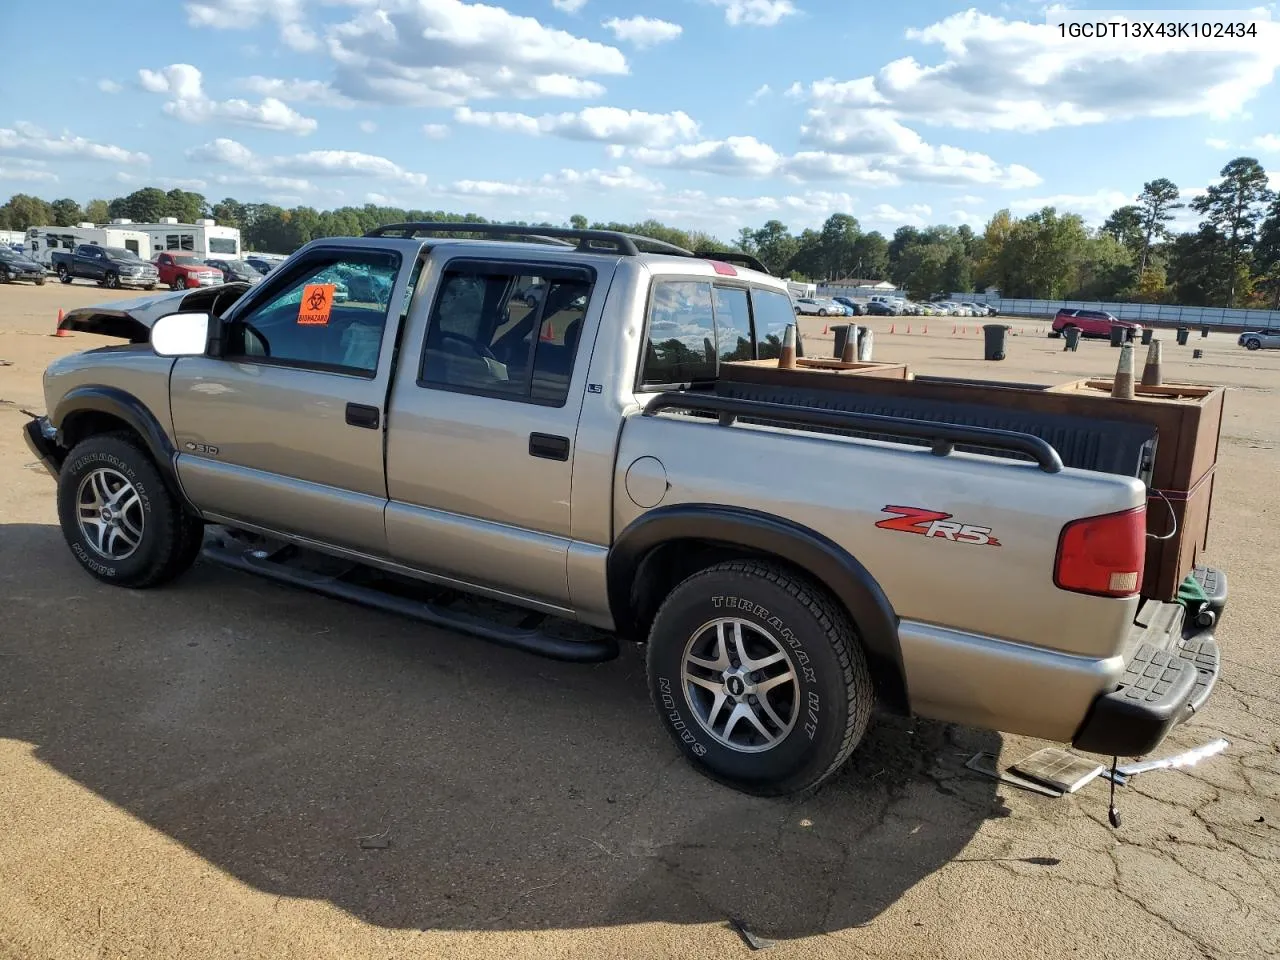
317	302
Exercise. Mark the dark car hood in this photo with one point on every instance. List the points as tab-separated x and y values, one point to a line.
22	262
132	319
122	262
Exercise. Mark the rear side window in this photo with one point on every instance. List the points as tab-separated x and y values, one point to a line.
694	326
506	330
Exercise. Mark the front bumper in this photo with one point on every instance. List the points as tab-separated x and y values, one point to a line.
140	281
42	441
1167	680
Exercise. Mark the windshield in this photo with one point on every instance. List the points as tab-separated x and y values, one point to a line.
121	253
186	261
7	254
240	266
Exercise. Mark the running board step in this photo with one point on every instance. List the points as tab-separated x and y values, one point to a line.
517	637
1202	653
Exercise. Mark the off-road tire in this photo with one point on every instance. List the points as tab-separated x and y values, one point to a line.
824	650
111	281
170	538
64	274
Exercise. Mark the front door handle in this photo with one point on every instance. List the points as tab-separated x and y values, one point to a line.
548	446
360	415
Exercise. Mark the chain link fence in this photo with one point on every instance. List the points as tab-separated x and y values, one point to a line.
1148	313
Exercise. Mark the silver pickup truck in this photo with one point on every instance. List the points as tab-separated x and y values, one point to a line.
435	413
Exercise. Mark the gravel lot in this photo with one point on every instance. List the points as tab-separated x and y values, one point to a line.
188	772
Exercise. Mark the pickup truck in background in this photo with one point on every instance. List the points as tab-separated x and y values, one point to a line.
109	266
555	472
182	270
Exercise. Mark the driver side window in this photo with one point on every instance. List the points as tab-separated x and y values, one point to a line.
328	313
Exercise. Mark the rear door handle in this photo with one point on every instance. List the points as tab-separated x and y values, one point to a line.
360	415
548	446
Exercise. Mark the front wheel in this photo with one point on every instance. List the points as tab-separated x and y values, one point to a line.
758	677
120	521
149	286
1253	345
112	281
4	275
179	282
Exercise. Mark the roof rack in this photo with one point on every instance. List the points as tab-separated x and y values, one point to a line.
588	241
734	256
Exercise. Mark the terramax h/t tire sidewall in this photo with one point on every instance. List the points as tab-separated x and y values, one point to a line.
835	689
161	516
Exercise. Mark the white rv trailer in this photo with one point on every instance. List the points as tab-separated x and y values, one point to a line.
203	239
40	242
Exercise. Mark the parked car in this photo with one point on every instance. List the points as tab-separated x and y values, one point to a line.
809	306
109	266
14	266
835	307
881	308
855	308
1091	323
262	265
182	270
569	470
236	271
977	309
1260	340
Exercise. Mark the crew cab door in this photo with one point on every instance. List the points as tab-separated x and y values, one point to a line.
89	263
484	415
284	430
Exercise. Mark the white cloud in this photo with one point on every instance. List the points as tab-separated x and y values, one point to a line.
1215	144
1270	142
109	86
620	178
643	32
739	156
367	126
974	220
292	185
297	91
727	213
26	139
183	83
970	200
569	6
912	216
289	16
436	53
27	171
1094	207
997	74
435	131
762	91
320	163
795	91
168	183
497	188
755	13
602	124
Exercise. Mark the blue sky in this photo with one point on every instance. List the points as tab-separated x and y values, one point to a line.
709	114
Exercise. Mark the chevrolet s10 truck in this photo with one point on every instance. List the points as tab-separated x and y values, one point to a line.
529	415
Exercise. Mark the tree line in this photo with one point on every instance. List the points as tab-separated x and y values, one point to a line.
1232	257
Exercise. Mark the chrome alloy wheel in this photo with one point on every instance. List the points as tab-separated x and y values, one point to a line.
740	684
110	514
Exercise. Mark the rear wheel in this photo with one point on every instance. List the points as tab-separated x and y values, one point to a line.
63	273
758	677
119	519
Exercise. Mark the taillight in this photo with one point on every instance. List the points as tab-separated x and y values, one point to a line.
1103	555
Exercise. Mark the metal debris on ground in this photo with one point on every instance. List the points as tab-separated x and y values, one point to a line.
375	841
1187	758
749	938
985	764
1058	768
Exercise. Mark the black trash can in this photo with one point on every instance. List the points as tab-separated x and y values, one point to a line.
1117	334
1146	335
841	331
1183	334
1072	336
1130	333
995	334
1204	332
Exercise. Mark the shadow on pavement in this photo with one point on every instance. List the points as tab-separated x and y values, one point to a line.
268	730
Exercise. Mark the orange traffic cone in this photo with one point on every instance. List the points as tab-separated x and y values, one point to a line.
908	328
926	329
825	329
549	332
58	331
954	328
892	327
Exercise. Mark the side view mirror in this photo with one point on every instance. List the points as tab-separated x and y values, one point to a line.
181	335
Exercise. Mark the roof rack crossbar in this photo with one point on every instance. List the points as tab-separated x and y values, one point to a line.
587	239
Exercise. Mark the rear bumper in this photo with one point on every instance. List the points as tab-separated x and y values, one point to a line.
1163	686
41	438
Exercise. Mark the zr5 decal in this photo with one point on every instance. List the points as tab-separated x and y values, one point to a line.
931	523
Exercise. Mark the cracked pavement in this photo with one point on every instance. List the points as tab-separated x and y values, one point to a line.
188	772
